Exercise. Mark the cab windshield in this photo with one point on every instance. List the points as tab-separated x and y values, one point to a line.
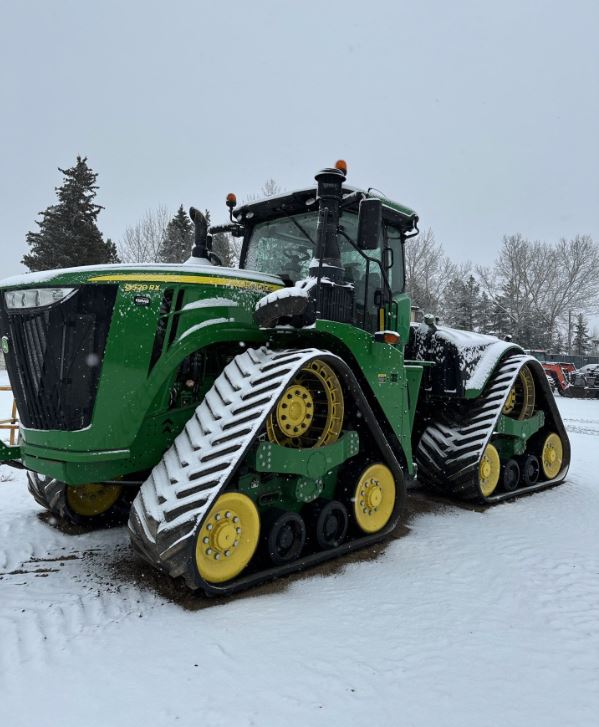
285	247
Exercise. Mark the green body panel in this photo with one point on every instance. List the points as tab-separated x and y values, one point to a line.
287	492
313	463
132	423
300	475
9	453
511	435
402	209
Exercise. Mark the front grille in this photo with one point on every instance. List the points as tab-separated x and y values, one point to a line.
55	357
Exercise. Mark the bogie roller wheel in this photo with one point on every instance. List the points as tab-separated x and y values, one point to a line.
530	469
92	504
228	538
329	521
552	456
310	411
374	498
510	475
489	470
520	402
285	536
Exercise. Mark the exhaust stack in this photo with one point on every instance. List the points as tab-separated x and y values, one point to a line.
201	249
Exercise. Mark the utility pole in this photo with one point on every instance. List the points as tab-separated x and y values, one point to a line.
569	332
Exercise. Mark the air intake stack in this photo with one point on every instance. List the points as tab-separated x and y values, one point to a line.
329	194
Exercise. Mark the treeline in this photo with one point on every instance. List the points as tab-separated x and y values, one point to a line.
539	293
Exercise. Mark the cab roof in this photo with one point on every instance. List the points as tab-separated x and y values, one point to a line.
304	200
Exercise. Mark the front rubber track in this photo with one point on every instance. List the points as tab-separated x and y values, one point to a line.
145	530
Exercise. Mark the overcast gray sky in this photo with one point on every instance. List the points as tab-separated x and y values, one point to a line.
483	116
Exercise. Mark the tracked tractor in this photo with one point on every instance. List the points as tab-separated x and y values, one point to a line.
254	421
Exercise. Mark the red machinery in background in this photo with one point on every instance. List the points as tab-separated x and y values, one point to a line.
572	382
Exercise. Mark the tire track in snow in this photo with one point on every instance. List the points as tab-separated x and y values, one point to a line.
39	622
53	585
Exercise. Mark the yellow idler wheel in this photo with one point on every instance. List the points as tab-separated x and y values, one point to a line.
510	402
310	411
552	456
489	470
228	538
374	498
91	500
295	411
520	402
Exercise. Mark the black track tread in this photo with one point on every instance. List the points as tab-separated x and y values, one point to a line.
50	493
175	499
450	448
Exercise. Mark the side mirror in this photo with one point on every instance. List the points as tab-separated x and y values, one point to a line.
370	218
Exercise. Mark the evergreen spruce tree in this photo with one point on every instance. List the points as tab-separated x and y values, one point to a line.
500	322
178	240
582	338
452	299
484	313
462	303
68	234
559	345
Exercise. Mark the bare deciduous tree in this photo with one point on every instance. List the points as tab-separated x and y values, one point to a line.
270	188
428	271
141	243
540	283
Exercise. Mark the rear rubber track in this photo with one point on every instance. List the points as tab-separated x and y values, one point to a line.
451	447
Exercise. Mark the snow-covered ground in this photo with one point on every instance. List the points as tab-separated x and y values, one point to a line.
472	618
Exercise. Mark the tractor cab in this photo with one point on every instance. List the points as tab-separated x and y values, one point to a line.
349	241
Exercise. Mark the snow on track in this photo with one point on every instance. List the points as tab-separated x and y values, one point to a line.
473	618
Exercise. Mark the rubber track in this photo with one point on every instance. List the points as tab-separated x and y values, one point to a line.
197	467
174	500
451	447
51	493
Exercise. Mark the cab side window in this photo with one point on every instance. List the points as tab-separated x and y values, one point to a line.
364	275
396	274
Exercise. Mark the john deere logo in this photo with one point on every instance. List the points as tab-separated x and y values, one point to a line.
5	345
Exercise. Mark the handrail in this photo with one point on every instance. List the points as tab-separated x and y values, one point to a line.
11	424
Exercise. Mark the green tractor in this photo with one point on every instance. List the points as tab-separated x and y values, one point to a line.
251	422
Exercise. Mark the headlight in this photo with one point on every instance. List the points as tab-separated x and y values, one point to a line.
36	297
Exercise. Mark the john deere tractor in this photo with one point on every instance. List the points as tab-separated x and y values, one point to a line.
254	421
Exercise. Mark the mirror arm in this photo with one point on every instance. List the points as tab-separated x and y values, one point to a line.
235	229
